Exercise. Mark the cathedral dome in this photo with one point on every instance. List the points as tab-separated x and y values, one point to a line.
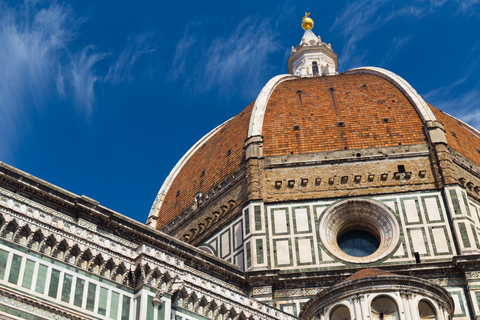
350	112
316	134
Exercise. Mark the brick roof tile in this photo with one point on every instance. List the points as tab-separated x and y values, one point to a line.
345	111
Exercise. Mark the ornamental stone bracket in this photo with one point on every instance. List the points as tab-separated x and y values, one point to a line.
157	299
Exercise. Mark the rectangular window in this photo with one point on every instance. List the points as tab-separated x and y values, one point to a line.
126	308
102	302
149	308
3	263
15	269
114	305
28	274
92	290
78	298
41	278
67	288
54	280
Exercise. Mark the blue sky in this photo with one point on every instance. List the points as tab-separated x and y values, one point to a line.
102	98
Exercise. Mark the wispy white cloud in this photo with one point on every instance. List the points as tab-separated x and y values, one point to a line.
241	58
469	6
360	19
137	47
33	43
463	106
83	78
357	20
38	63
396	45
234	62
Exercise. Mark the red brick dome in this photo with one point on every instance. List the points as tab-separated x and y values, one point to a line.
358	109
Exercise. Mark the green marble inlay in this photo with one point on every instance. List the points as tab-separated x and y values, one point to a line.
19	313
456	204
15	269
28	274
274	216
67	288
259	245
297	226
41	278
222	246
417	207
276	254
149	308
237	235
114	305
424	241
467	207
286	307
92	290
137	312
258	218
432	238
461	312
161	312
474	232
312	252
54	280
126	308
78	298
247	221
463	232
249	254
425	209
102	302
477	295
3	263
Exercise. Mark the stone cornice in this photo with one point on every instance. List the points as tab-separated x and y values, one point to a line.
81	207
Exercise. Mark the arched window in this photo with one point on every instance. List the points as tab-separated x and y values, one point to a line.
426	310
314	68
384	308
340	313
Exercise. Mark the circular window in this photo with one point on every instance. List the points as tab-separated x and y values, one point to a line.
360	231
358	243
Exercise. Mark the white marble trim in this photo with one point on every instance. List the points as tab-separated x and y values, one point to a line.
157	204
417	101
258	112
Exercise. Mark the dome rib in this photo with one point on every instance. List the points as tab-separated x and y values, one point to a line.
157	204
258	113
415	99
209	162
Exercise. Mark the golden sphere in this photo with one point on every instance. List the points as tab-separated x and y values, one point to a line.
307	23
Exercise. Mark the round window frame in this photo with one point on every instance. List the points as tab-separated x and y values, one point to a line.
359	214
